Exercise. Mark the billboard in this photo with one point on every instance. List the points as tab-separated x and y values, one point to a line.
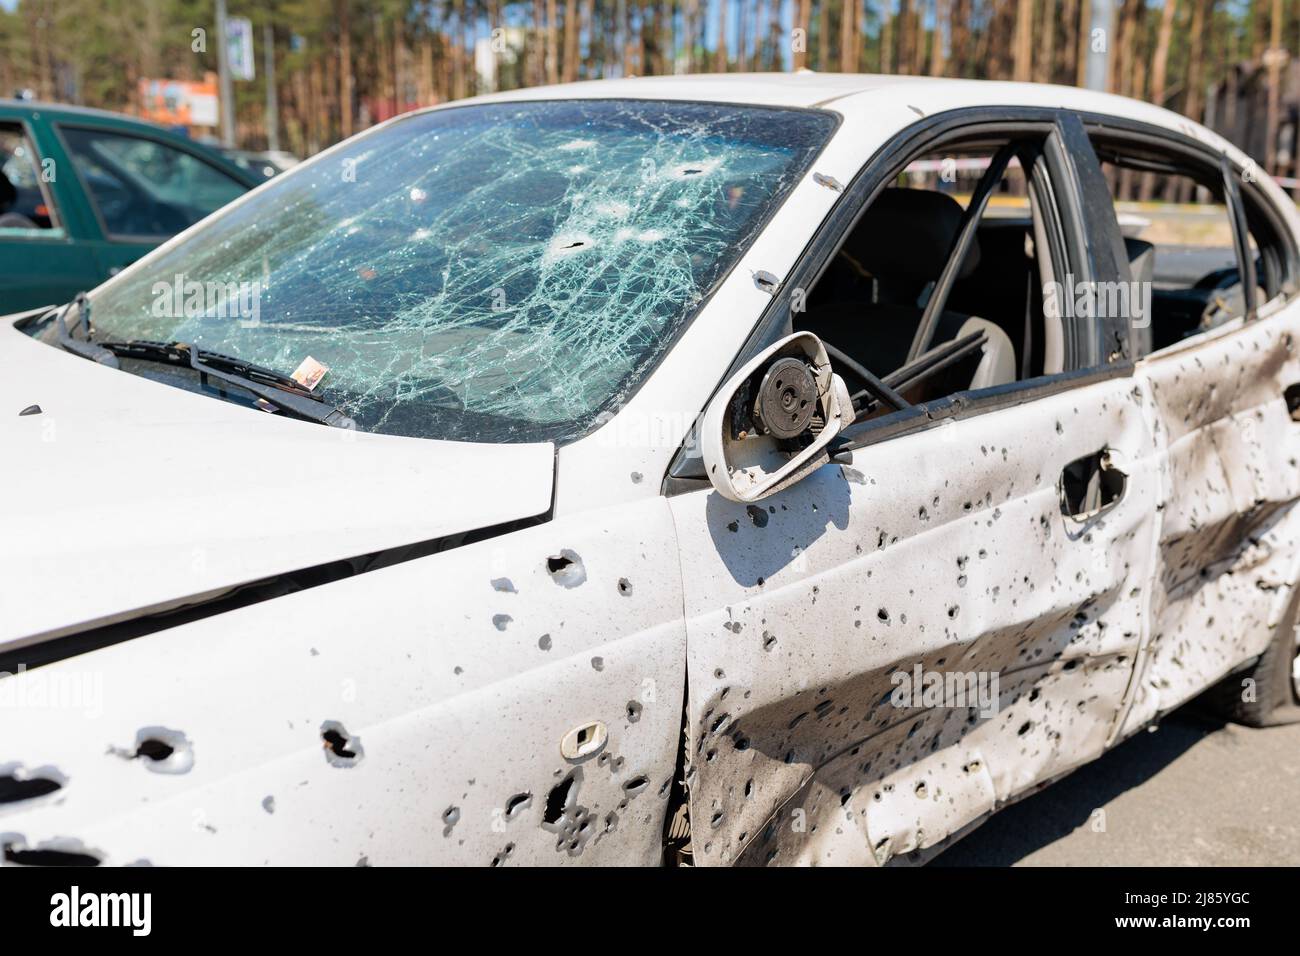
180	102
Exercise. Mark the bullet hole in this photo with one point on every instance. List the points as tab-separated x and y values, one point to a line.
625	587
566	569
61	851
450	817
362	861
161	750
757	515
953	612
30	410
518	803
155	750
636	784
720	723
716	820
503	584
17	784
1024	728
544	642
562	815
749	788
598	663
504	855
733	526
883	615
920	790
633	711
769	641
636	477
742	743
574	245
611	822
501	621
341	749
268	804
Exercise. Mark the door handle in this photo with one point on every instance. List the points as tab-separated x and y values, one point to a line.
1091	484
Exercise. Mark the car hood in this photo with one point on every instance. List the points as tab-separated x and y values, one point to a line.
123	496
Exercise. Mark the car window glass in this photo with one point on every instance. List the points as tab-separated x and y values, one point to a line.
146	188
502	272
24	202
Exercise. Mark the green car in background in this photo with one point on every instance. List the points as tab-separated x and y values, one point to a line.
84	193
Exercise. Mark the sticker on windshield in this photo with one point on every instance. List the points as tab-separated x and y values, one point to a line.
309	373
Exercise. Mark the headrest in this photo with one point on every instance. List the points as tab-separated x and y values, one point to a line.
908	233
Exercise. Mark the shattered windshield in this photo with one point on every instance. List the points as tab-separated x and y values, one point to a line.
498	272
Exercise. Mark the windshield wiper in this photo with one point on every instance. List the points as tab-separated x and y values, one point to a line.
85	348
267	384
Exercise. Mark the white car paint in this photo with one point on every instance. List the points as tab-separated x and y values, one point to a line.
122	497
459	674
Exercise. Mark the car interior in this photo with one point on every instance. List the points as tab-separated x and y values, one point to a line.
22	206
870	302
1191	263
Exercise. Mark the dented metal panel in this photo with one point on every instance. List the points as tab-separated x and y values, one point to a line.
409	715
949	549
1229	528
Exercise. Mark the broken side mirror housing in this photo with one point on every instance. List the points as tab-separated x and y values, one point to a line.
769	426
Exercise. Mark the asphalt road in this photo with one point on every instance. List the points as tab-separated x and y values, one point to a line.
1195	792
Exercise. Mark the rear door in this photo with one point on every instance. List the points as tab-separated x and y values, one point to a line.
996	541
1220	363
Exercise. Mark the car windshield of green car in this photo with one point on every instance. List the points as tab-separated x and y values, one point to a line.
503	272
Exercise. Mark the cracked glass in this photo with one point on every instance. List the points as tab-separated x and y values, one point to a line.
501	272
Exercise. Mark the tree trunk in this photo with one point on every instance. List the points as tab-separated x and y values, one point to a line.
848	36
1274	58
904	36
345	68
824	62
720	55
1046	43
1024	38
942	9
886	41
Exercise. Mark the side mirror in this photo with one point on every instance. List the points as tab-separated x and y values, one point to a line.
770	424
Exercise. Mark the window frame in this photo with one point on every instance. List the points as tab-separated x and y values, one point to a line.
92	203
57	233
1239	202
1086	358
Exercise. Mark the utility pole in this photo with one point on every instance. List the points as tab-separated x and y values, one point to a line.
1100	39
227	97
268	68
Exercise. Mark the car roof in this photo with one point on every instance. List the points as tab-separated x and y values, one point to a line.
11	108
841	91
67	109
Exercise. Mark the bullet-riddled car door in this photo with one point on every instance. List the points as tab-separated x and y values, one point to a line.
886	651
946	549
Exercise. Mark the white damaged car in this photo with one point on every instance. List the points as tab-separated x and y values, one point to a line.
748	470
